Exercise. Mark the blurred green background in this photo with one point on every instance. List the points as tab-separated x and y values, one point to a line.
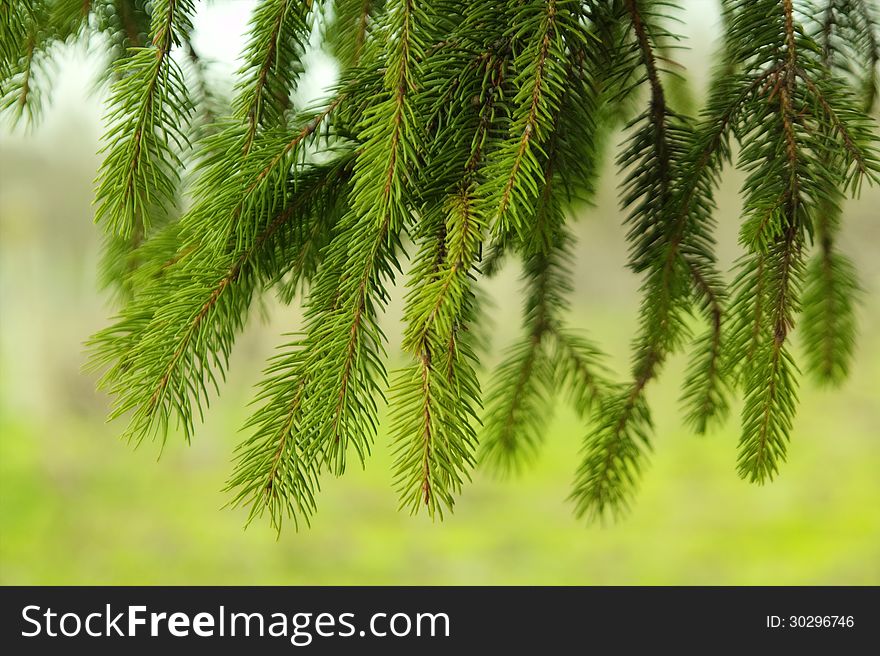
77	506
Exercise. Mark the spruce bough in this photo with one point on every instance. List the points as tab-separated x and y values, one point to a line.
459	136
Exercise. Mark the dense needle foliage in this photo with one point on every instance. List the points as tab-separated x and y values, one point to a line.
459	136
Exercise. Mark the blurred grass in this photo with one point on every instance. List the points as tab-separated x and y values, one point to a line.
77	506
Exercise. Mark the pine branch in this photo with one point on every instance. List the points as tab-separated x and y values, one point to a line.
353	22
343	410
580	371
437	398
775	210
171	341
209	106
232	204
16	20
831	286
706	388
151	106
516	414
776	225
705	393
518	406
614	449
515	175
322	396
279	35
829	322
770	387
33	32
521	397
273	474
511	433
849	35
614	454
23	98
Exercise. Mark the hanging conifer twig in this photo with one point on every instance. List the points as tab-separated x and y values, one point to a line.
459	137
